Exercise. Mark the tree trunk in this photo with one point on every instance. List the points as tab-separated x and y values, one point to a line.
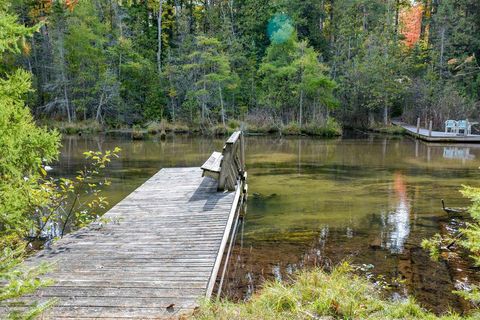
371	119
426	15
67	103
221	104
232	17
118	19
300	122
442	48
364	19
397	13
332	32
159	25
385	115
63	75
99	109
203	100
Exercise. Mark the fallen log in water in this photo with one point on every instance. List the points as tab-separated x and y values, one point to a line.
453	211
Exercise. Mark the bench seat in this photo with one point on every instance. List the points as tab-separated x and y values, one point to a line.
212	167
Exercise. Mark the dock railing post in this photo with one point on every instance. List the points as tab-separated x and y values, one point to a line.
418	125
430	128
242	152
223	182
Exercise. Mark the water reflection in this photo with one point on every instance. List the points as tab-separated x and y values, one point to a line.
398	221
457	153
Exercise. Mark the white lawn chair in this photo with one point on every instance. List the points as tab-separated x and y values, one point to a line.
450	126
464	126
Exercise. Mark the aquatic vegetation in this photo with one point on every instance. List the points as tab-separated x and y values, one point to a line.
331	128
78	127
164	126
467	238
391	129
339	294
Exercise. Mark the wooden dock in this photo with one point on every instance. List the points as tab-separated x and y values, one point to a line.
437	136
160	254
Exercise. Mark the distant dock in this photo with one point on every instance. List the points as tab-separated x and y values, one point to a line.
437	136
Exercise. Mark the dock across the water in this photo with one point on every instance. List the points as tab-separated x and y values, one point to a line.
160	254
437	136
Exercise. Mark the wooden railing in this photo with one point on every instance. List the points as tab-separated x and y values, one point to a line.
233	162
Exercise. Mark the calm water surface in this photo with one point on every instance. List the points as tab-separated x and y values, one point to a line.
369	199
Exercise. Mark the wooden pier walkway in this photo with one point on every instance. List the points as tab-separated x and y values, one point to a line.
437	136
158	257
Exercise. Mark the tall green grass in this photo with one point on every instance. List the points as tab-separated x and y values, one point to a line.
316	294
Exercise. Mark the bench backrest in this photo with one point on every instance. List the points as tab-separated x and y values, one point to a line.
462	124
233	162
450	124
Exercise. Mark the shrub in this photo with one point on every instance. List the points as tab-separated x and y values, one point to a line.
330	128
467	239
233	124
291	129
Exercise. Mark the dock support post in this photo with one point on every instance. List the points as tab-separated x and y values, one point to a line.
430	129
418	125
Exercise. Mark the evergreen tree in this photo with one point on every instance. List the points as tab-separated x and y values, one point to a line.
23	148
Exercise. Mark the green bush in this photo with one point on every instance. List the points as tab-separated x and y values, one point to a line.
233	124
331	128
467	239
155	127
291	129
24	147
395	130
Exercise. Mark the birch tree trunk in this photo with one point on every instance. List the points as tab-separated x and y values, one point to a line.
221	104
63	77
98	117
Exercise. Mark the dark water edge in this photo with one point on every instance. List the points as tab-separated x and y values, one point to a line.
366	198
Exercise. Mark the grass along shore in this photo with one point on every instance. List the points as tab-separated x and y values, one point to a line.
330	128
316	294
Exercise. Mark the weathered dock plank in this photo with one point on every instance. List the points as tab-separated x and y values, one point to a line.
156	259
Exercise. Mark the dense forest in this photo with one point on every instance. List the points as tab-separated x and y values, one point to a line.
269	63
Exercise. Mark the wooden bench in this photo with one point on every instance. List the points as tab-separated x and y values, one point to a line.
228	167
212	167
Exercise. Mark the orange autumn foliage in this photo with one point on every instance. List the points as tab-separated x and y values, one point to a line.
42	8
71	4
411	24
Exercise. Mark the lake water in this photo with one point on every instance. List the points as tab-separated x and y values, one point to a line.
368	199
